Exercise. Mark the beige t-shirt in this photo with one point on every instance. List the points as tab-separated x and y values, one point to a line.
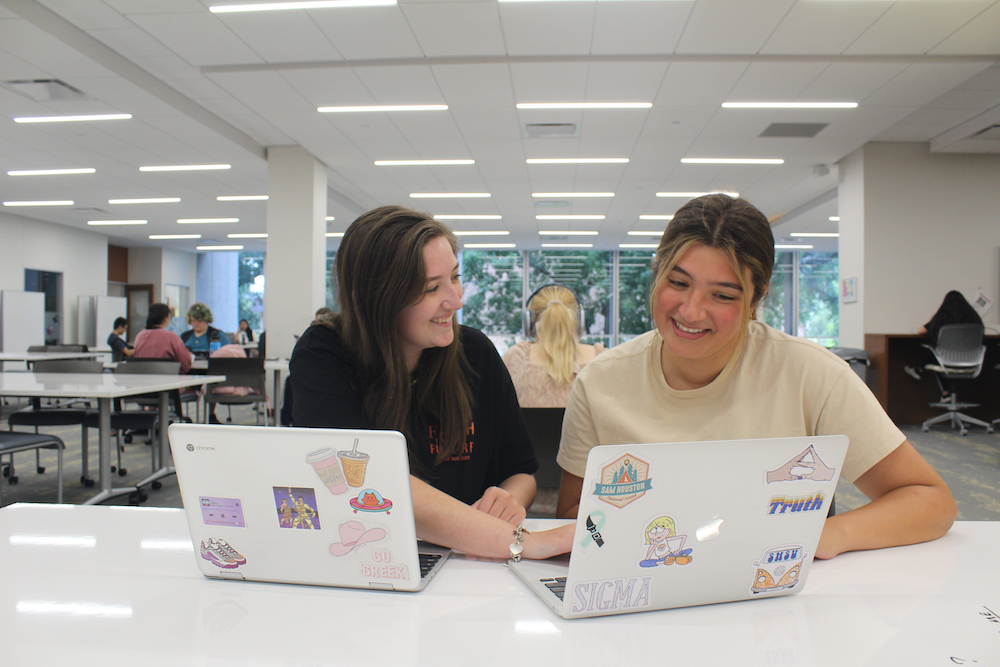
780	386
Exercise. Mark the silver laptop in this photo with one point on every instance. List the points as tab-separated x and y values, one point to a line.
328	507
674	525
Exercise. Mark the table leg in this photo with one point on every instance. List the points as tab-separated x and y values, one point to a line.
104	456
164	469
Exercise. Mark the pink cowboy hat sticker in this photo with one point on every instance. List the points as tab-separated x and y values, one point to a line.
352	536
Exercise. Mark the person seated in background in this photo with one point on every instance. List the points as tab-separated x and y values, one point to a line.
158	342
395	358
711	371
244	334
286	417
201	336
119	348
543	369
953	310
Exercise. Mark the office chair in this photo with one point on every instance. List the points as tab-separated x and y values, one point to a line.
239	372
959	353
19	442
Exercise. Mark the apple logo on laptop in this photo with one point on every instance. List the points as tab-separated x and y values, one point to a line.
709	530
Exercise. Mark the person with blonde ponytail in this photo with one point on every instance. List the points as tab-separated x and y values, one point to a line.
543	369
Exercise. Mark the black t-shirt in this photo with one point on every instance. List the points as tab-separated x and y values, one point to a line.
116	343
324	383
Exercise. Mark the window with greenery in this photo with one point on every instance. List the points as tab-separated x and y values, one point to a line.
493	283
589	275
803	298
250	289
634	282
331	281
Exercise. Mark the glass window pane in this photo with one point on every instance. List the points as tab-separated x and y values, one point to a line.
331	281
250	289
634	282
492	283
588	274
776	309
819	315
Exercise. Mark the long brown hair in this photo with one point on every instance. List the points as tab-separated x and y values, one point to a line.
380	271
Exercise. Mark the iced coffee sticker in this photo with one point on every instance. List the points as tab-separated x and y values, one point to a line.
327	466
354	463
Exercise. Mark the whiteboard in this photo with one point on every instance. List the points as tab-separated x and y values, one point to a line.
106	310
22	320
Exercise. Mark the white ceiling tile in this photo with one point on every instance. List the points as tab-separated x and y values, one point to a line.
45	52
547	28
199	38
401	85
491	123
972	99
766	82
639	27
692	84
979	36
130	7
549	82
456	28
263	91
88	14
368	32
282	36
851	82
823	27
919	84
468	85
168	68
261	130
334	86
916	27
722	26
130	42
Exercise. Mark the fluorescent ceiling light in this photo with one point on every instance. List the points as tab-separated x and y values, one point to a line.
815	235
730	160
242	198
49	172
577	160
166	237
153	200
64	202
637	245
117	222
572	194
583	105
246	236
566	233
313	4
385	107
474	233
419	163
69	119
441	195
786	246
638	233
692	195
329	218
489	245
218	247
834	218
567	245
656	217
194	221
789	105
334	235
186	167
468	217
569	217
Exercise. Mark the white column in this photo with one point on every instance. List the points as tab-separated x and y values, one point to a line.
295	263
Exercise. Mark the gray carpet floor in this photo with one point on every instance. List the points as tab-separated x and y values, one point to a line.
969	464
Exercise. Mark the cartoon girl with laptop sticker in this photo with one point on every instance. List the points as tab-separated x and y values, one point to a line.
666	547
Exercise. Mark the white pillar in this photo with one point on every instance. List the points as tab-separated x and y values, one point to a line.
295	263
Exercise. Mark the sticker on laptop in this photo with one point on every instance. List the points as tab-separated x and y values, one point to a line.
623	480
218	552
612	594
383	567
296	507
663	545
595	522
371	500
354	534
778	569
222	511
795	504
805	465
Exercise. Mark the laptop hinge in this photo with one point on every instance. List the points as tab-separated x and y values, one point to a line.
232	575
379	586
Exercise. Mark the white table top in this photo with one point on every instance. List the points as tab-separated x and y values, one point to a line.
95	385
114	585
48	356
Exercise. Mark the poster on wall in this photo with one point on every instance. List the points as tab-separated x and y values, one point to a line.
981	302
849	290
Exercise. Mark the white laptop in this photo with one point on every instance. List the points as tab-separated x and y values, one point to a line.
328	507
674	525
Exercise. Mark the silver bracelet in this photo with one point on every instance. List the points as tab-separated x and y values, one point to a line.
517	546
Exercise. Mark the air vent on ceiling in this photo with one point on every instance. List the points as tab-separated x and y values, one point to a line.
46	90
793	130
551	130
990	133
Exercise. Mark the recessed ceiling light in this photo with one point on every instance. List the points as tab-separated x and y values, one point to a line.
334	235
567	245
194	221
153	200
489	245
572	194
692	195
70	119
639	233
186	167
242	198
583	105
637	245
170	237
419	163
577	160
385	107
789	105
312	4
656	217
49	172
62	202
443	195
246	236
834	218
786	246
487	233
468	217
566	233
815	235
730	160
569	217
117	222
219	247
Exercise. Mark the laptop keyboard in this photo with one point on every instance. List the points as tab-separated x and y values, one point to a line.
555	584
427	563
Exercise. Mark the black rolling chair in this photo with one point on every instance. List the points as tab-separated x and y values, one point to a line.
20	442
959	354
545	428
239	373
36	416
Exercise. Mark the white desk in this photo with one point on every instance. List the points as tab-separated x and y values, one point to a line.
115	585
31	357
104	387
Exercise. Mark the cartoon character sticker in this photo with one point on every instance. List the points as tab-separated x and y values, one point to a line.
371	500
665	546
778	569
218	552
806	465
296	507
623	480
353	534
